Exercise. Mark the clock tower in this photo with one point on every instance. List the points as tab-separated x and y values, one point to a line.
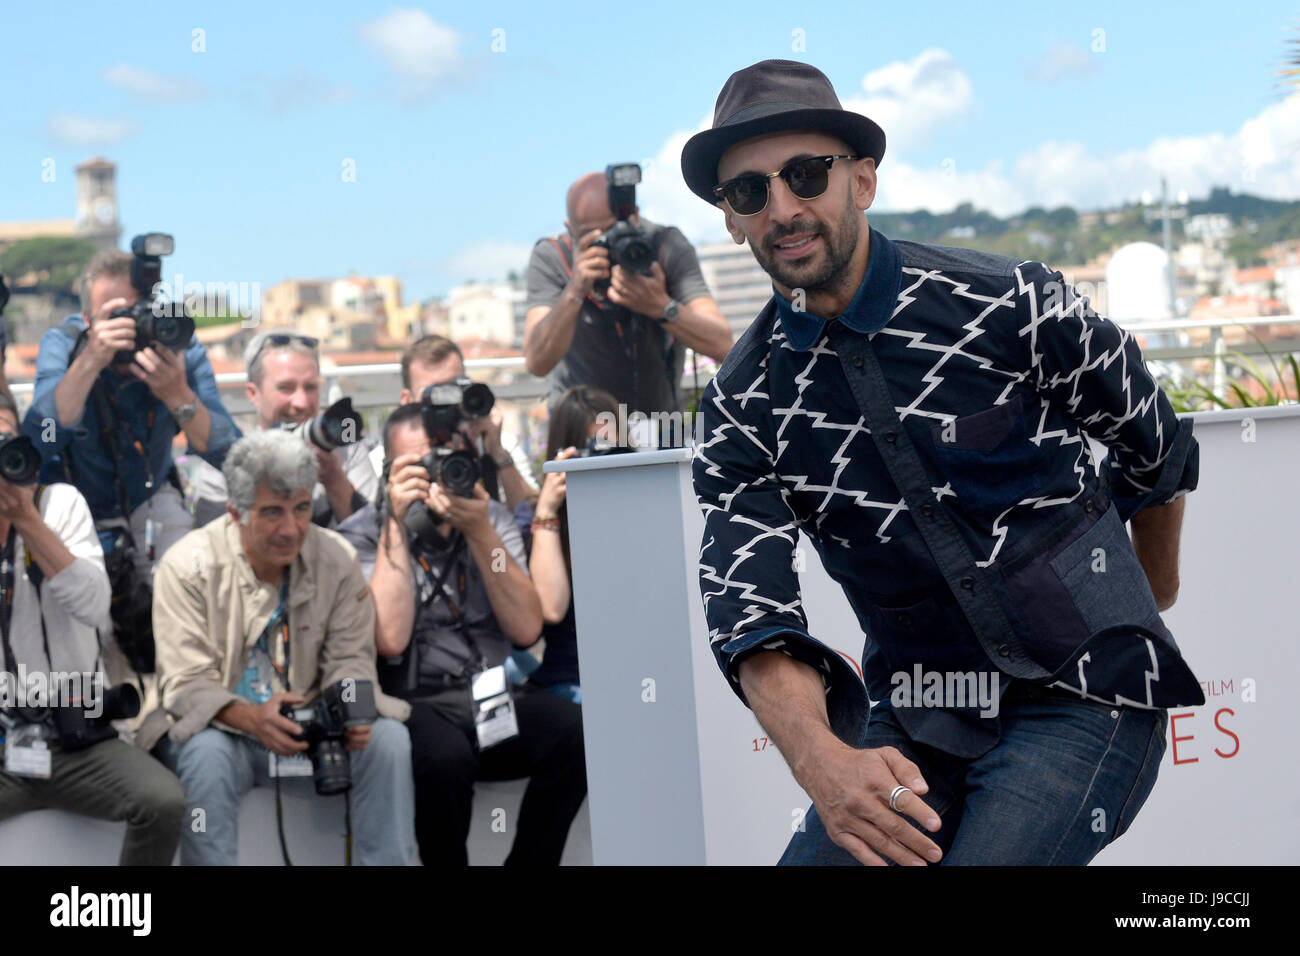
97	203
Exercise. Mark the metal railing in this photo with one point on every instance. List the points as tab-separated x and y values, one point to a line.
523	388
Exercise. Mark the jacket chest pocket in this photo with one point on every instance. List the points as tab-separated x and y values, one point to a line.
988	458
931	632
1069	594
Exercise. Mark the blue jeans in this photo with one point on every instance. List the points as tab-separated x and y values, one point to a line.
1066	779
218	768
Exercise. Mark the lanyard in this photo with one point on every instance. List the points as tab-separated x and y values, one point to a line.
7	578
280	617
479	663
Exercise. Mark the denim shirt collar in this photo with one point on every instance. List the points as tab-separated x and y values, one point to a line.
872	304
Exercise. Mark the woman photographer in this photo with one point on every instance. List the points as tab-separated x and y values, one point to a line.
543	520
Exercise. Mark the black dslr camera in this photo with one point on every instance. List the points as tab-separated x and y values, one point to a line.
449	404
79	723
173	328
629	246
20	462
598	447
335	427
456	469
78	730
348	703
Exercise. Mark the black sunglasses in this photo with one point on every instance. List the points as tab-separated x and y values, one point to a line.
807	178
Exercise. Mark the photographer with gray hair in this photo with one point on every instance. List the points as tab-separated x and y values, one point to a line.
230	664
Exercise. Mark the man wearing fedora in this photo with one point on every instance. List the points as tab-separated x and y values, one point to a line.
922	415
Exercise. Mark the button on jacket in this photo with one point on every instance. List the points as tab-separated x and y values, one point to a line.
997	372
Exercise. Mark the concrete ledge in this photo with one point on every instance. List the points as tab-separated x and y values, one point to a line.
313	829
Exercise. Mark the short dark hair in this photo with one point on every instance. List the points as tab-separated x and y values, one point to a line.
402	415
430	350
113	263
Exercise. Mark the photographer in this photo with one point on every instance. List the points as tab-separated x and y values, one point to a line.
257	610
593	321
106	408
284	387
53	592
544	524
453	597
435	360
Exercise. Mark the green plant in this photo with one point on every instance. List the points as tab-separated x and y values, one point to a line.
1193	395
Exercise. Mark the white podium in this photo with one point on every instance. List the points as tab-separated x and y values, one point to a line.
679	771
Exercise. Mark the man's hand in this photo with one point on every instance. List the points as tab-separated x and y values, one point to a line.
18	502
589	265
851	789
644	295
408	483
489	428
358	737
109	336
470	516
273	729
163	370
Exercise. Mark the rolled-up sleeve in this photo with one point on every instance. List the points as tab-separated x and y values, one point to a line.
1096	372
82	587
223	432
748	581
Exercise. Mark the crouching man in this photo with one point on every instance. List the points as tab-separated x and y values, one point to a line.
64	753
253	611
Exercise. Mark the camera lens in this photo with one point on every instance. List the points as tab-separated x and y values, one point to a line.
20	462
477	400
634	254
459	474
331	771
165	330
121	702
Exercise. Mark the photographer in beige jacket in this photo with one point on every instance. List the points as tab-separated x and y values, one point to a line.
258	609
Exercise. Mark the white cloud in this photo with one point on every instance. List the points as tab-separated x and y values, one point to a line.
422	52
487	261
911	99
1060	61
73	130
663	197
154	87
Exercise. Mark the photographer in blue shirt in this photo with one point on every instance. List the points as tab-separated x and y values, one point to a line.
104	413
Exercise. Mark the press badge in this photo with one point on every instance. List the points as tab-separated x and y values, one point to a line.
27	754
494	711
295	766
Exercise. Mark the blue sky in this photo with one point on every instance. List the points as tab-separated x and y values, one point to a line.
463	153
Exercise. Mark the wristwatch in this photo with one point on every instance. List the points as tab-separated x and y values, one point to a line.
670	311
183	413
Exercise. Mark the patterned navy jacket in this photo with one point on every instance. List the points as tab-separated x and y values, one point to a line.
998	372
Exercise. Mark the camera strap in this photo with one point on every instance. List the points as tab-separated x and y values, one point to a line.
7	585
455	605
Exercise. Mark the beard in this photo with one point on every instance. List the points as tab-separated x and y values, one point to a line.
809	274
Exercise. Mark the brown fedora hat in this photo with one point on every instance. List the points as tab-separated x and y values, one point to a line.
769	97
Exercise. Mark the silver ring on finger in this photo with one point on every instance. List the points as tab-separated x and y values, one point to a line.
893	797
